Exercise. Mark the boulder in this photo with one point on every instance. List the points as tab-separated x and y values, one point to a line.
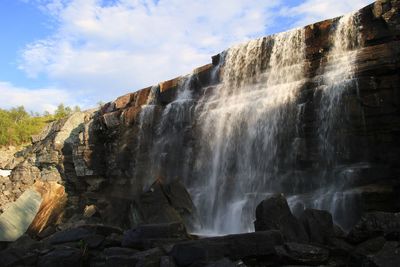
274	213
374	224
234	247
318	225
143	235
54	200
166	202
19	215
69	235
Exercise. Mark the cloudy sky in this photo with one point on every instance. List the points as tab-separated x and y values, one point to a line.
80	52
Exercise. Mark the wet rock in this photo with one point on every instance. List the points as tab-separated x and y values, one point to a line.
235	247
374	224
274	213
294	253
318	224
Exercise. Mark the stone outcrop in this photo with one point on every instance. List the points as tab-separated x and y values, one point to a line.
104	165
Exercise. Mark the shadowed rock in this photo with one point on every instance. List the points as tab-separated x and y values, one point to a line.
274	213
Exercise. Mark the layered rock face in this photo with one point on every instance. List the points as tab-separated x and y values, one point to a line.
312	113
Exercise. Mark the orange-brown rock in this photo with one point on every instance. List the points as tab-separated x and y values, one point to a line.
122	101
54	199
164	86
130	115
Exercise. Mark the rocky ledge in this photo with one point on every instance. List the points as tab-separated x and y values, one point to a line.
281	239
88	178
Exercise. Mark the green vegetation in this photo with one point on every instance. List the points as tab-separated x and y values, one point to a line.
17	125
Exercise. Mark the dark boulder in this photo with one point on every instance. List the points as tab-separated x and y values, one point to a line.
274	213
318	225
143	236
165	203
373	225
294	253
69	235
234	247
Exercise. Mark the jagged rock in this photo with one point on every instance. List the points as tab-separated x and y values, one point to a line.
235	247
166	203
374	224
294	253
274	213
318	224
54	199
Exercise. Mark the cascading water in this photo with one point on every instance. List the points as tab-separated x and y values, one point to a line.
337	76
246	128
238	141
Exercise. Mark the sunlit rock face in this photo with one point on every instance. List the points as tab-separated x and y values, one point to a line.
311	113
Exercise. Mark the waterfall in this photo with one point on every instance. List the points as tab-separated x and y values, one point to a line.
337	76
235	142
246	128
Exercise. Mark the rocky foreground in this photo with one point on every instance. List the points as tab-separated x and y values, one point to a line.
281	239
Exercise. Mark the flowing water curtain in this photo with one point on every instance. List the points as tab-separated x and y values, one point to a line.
338	77
246	128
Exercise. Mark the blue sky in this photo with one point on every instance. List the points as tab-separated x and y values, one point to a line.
80	52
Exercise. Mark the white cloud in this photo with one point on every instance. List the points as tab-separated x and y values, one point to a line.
311	11
128	44
103	51
38	100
